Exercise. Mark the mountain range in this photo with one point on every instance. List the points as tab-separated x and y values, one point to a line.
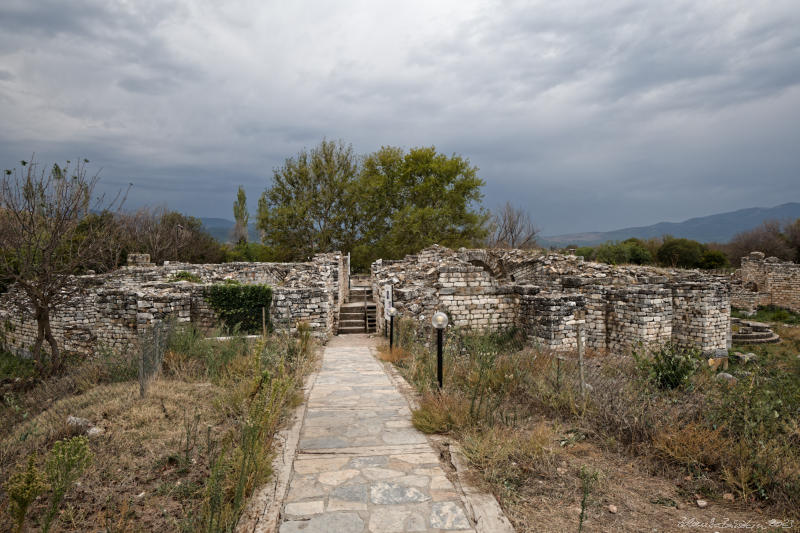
721	227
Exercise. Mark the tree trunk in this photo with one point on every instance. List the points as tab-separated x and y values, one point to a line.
43	332
55	353
37	346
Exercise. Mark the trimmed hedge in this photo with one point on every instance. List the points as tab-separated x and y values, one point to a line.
240	305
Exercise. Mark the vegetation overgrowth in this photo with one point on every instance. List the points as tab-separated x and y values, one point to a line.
185	457
517	409
769	313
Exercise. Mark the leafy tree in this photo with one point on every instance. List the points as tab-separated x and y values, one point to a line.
684	253
241	215
308	206
46	235
417	199
713	259
637	252
387	204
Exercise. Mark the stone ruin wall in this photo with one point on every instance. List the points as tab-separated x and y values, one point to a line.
109	311
766	281
549	296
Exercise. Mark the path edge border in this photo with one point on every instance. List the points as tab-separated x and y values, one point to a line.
263	511
483	508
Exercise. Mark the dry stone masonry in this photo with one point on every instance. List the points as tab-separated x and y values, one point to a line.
549	295
109	311
766	281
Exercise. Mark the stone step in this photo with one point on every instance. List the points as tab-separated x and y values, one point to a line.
345	331
748	339
351	323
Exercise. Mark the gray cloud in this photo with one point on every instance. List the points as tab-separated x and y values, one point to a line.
591	115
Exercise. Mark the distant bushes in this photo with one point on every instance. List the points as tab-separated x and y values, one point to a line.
667	252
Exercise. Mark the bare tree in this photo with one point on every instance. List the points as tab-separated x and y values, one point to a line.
168	236
47	236
512	228
766	238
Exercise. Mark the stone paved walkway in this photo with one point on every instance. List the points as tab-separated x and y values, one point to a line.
361	465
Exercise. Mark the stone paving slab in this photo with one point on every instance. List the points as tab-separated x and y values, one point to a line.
361	465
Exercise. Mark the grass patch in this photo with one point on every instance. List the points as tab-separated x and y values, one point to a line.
771	314
186	457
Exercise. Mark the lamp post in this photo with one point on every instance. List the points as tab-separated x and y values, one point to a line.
439	322
392	314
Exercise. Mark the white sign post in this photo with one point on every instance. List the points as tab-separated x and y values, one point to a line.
387	300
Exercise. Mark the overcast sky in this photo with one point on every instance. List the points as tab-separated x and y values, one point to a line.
590	115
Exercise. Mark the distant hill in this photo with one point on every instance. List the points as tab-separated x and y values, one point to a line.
713	228
222	229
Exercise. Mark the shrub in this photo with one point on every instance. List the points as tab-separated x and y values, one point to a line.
185	276
65	464
240	305
23	487
684	253
668	366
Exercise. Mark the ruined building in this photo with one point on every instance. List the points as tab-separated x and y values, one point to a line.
546	296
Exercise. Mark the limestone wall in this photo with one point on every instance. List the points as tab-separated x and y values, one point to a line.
109	311
548	295
766	281
701	315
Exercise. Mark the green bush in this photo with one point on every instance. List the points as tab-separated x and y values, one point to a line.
240	305
668	366
185	276
65	464
23	487
683	253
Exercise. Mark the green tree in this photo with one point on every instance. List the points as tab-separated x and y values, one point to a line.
387	204
416	199
308	207
241	215
684	253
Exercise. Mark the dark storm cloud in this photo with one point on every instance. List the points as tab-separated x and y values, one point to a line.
591	115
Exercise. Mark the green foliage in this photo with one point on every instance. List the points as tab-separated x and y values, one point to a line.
241	215
388	204
249	252
23	487
631	251
185	276
240	305
682	253
588	481
713	259
191	355
65	464
770	313
668	366
12	366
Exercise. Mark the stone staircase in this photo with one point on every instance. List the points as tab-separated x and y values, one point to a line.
750	332
358	314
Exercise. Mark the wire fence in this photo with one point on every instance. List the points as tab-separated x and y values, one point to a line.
153	343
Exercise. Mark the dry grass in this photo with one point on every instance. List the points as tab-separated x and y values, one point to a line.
519	414
183	458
